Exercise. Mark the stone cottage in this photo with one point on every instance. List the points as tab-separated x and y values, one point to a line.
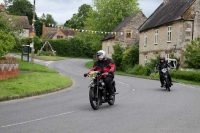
125	34
19	22
168	30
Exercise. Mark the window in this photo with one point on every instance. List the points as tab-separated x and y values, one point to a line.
145	39
169	36
128	34
145	59
156	37
59	37
108	50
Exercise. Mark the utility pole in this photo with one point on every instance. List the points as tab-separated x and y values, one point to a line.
33	30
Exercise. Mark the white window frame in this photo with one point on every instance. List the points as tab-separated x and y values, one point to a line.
145	59
145	39
156	37
169	34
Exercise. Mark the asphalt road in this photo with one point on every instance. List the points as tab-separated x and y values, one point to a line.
141	107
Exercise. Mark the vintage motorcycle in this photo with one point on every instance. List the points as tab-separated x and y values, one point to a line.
166	78
98	93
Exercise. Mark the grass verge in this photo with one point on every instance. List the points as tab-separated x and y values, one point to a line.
33	80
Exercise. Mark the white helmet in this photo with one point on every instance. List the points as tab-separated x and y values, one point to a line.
101	54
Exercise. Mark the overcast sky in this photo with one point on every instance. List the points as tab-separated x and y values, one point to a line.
62	10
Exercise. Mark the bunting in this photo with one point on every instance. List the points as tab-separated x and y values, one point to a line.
83	30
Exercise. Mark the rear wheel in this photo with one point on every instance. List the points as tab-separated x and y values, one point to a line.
94	101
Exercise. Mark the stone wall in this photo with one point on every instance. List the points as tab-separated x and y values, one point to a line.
9	67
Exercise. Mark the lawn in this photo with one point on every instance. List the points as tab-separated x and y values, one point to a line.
33	80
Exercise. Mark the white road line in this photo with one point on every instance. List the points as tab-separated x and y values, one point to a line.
48	62
126	95
40	119
123	83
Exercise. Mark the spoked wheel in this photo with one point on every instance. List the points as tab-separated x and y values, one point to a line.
111	102
167	85
94	101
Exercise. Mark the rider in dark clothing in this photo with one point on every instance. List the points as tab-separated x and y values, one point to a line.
103	65
163	64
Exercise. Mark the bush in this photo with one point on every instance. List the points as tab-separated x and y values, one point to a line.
7	42
130	57
117	55
192	54
137	70
186	75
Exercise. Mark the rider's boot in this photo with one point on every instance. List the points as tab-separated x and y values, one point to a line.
162	86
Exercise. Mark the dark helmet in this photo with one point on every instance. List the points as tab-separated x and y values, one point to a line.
162	58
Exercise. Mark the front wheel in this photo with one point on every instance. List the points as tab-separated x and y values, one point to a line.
111	102
167	85
94	101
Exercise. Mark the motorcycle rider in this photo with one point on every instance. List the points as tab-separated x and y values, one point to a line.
103	65
163	64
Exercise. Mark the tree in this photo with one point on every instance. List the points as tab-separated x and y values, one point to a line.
192	54
48	19
21	8
77	21
107	14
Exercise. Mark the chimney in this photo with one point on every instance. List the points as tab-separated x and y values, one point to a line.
165	1
2	7
43	29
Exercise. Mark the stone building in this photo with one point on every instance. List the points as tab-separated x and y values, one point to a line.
125	34
169	29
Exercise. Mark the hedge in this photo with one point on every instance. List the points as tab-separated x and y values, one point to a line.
186	75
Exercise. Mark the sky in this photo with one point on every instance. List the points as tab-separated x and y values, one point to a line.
63	10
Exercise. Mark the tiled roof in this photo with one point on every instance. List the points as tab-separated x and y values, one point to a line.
119	27
19	21
51	35
167	12
68	32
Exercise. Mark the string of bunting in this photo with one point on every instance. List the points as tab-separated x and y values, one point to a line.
82	30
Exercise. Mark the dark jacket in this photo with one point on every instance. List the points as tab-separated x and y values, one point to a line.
162	65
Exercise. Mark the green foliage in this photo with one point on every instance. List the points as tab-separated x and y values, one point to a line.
130	57
186	75
192	54
118	55
109	13
47	19
77	21
137	70
7	42
151	66
21	8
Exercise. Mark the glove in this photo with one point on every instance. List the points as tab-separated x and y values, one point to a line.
85	75
110	71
